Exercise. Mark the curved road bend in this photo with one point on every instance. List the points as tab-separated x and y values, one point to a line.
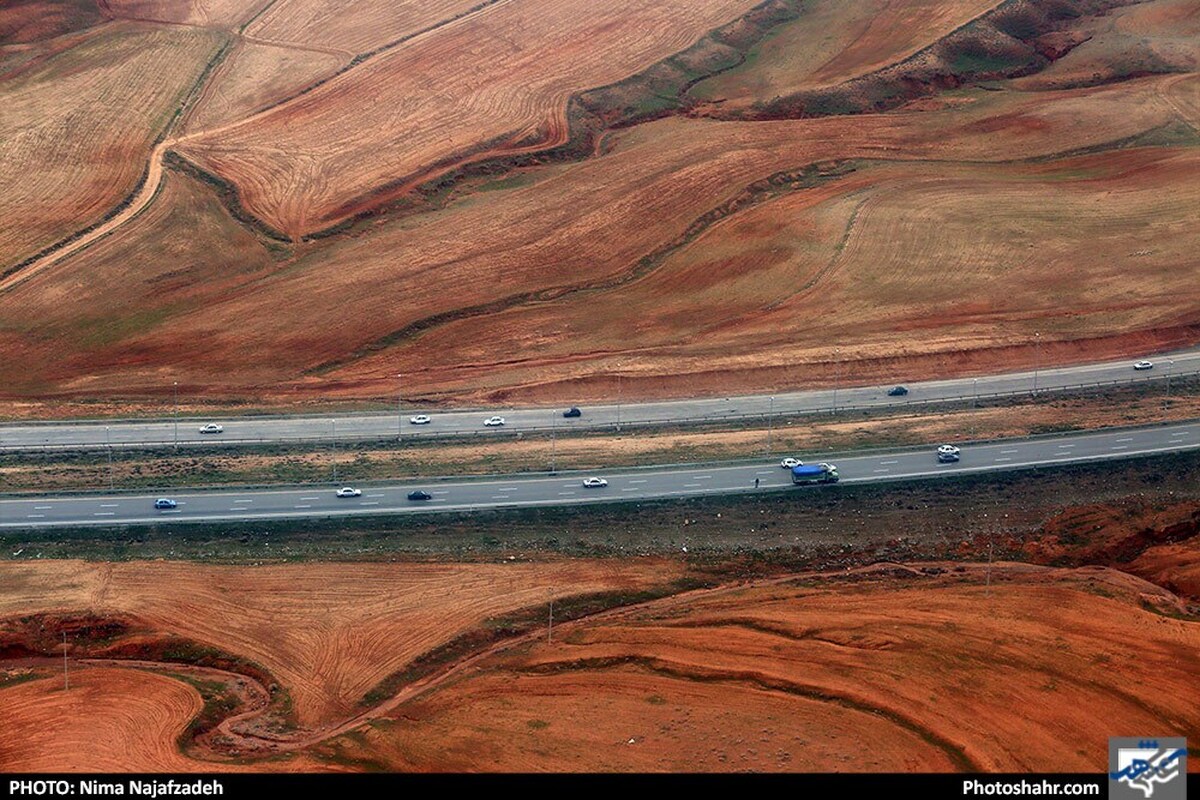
563	490
259	430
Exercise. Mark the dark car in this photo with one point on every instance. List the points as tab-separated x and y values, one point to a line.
165	502
897	391
573	411
420	495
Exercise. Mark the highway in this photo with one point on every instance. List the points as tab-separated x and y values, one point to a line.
525	491
261	430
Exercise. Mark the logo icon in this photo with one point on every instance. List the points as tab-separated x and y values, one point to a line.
1140	769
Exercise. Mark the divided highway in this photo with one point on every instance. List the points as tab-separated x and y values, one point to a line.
567	489
259	430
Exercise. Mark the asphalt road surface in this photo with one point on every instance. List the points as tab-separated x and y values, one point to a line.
258	430
567	489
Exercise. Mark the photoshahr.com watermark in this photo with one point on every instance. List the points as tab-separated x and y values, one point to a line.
1140	769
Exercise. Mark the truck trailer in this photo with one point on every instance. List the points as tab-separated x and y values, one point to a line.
814	473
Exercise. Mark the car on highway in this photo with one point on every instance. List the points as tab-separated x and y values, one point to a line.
349	491
165	502
420	419
1141	365
947	453
897	391
419	494
211	427
790	462
493	422
594	483
573	411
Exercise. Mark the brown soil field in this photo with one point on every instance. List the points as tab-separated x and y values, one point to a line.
255	76
23	21
537	243
895	671
355	26
111	720
79	126
203	13
329	632
498	82
832	42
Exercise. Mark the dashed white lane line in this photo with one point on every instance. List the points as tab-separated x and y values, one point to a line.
370	503
1126	439
376	495
499	497
243	500
1065	446
889	462
109	505
1009	451
704	477
884	469
1001	460
691	486
36	516
564	494
301	506
41	508
105	514
1119	447
308	498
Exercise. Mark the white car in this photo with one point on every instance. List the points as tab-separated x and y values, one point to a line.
419	419
790	462
493	422
594	483
1144	365
948	452
349	491
211	427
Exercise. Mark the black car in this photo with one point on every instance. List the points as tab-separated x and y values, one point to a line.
419	495
897	391
573	411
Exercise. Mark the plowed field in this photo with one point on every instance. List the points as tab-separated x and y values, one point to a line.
894	675
329	632
498	82
76	130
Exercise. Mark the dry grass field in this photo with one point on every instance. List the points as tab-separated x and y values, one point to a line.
496	83
355	26
890	673
78	127
327	632
689	254
831	42
200	13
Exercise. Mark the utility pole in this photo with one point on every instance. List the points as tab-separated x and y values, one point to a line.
1167	401
108	446
618	401
176	415
770	420
333	423
974	403
837	359
1037	359
66	674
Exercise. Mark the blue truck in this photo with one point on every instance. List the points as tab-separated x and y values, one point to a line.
814	473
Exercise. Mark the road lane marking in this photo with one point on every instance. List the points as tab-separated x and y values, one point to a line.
36	516
691	486
1126	439
765	472
565	493
301	506
309	498
109	505
703	477
1065	446
42	508
1002	452
998	460
1119	447
637	481
243	500
105	514
441	491
889	462
882	470
369	503
499	497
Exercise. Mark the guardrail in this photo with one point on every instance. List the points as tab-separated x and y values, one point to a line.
731	415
